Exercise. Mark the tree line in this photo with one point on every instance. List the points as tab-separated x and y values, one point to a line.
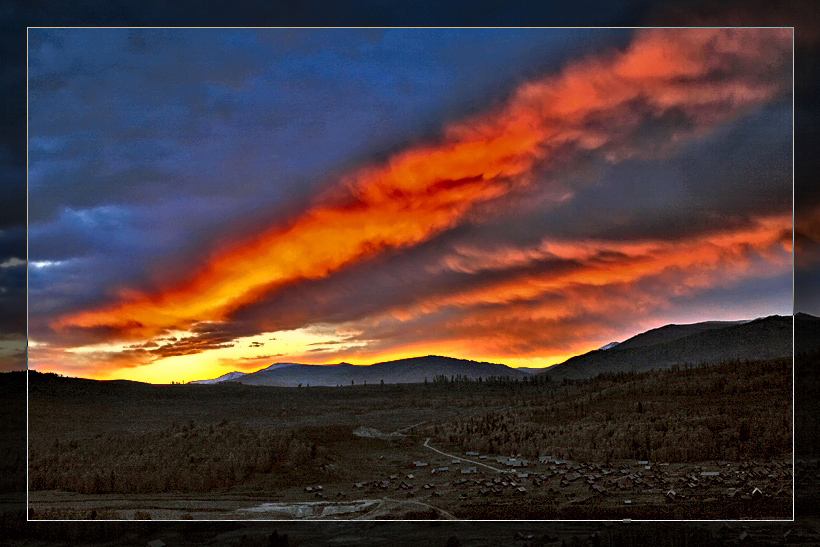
733	411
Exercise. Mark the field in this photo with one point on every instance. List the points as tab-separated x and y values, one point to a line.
703	442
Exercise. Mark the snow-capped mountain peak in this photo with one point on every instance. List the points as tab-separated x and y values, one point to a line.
224	378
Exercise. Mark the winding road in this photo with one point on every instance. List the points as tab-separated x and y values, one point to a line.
426	445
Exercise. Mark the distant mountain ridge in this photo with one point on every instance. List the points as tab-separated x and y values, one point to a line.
224	378
709	342
401	371
668	333
235	375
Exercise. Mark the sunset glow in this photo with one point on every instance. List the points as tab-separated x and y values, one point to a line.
297	289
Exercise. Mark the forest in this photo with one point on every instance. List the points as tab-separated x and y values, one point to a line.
733	411
109	437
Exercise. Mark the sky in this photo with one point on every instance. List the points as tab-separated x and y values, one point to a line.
209	200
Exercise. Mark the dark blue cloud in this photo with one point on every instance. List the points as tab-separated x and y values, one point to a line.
149	147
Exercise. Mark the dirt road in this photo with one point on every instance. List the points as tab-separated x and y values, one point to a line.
426	445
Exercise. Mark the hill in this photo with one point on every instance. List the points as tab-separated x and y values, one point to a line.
224	378
669	333
699	343
708	342
402	371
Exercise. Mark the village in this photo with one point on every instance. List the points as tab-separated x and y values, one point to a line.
417	452
456	482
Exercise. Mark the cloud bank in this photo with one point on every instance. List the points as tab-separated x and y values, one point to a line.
507	235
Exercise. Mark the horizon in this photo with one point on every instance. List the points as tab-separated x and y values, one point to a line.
265	366
512	196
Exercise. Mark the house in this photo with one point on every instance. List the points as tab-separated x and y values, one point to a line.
156	543
420	464
468	470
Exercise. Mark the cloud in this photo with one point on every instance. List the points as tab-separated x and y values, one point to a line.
15	361
262	357
604	288
499	302
190	156
665	88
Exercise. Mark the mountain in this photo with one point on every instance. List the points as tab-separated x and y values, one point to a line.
668	333
530	370
224	378
235	375
707	342
402	371
277	366
710	342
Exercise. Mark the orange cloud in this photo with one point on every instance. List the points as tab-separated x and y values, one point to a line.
605	263
696	78
613	289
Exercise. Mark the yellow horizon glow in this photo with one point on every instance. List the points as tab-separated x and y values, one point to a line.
214	363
